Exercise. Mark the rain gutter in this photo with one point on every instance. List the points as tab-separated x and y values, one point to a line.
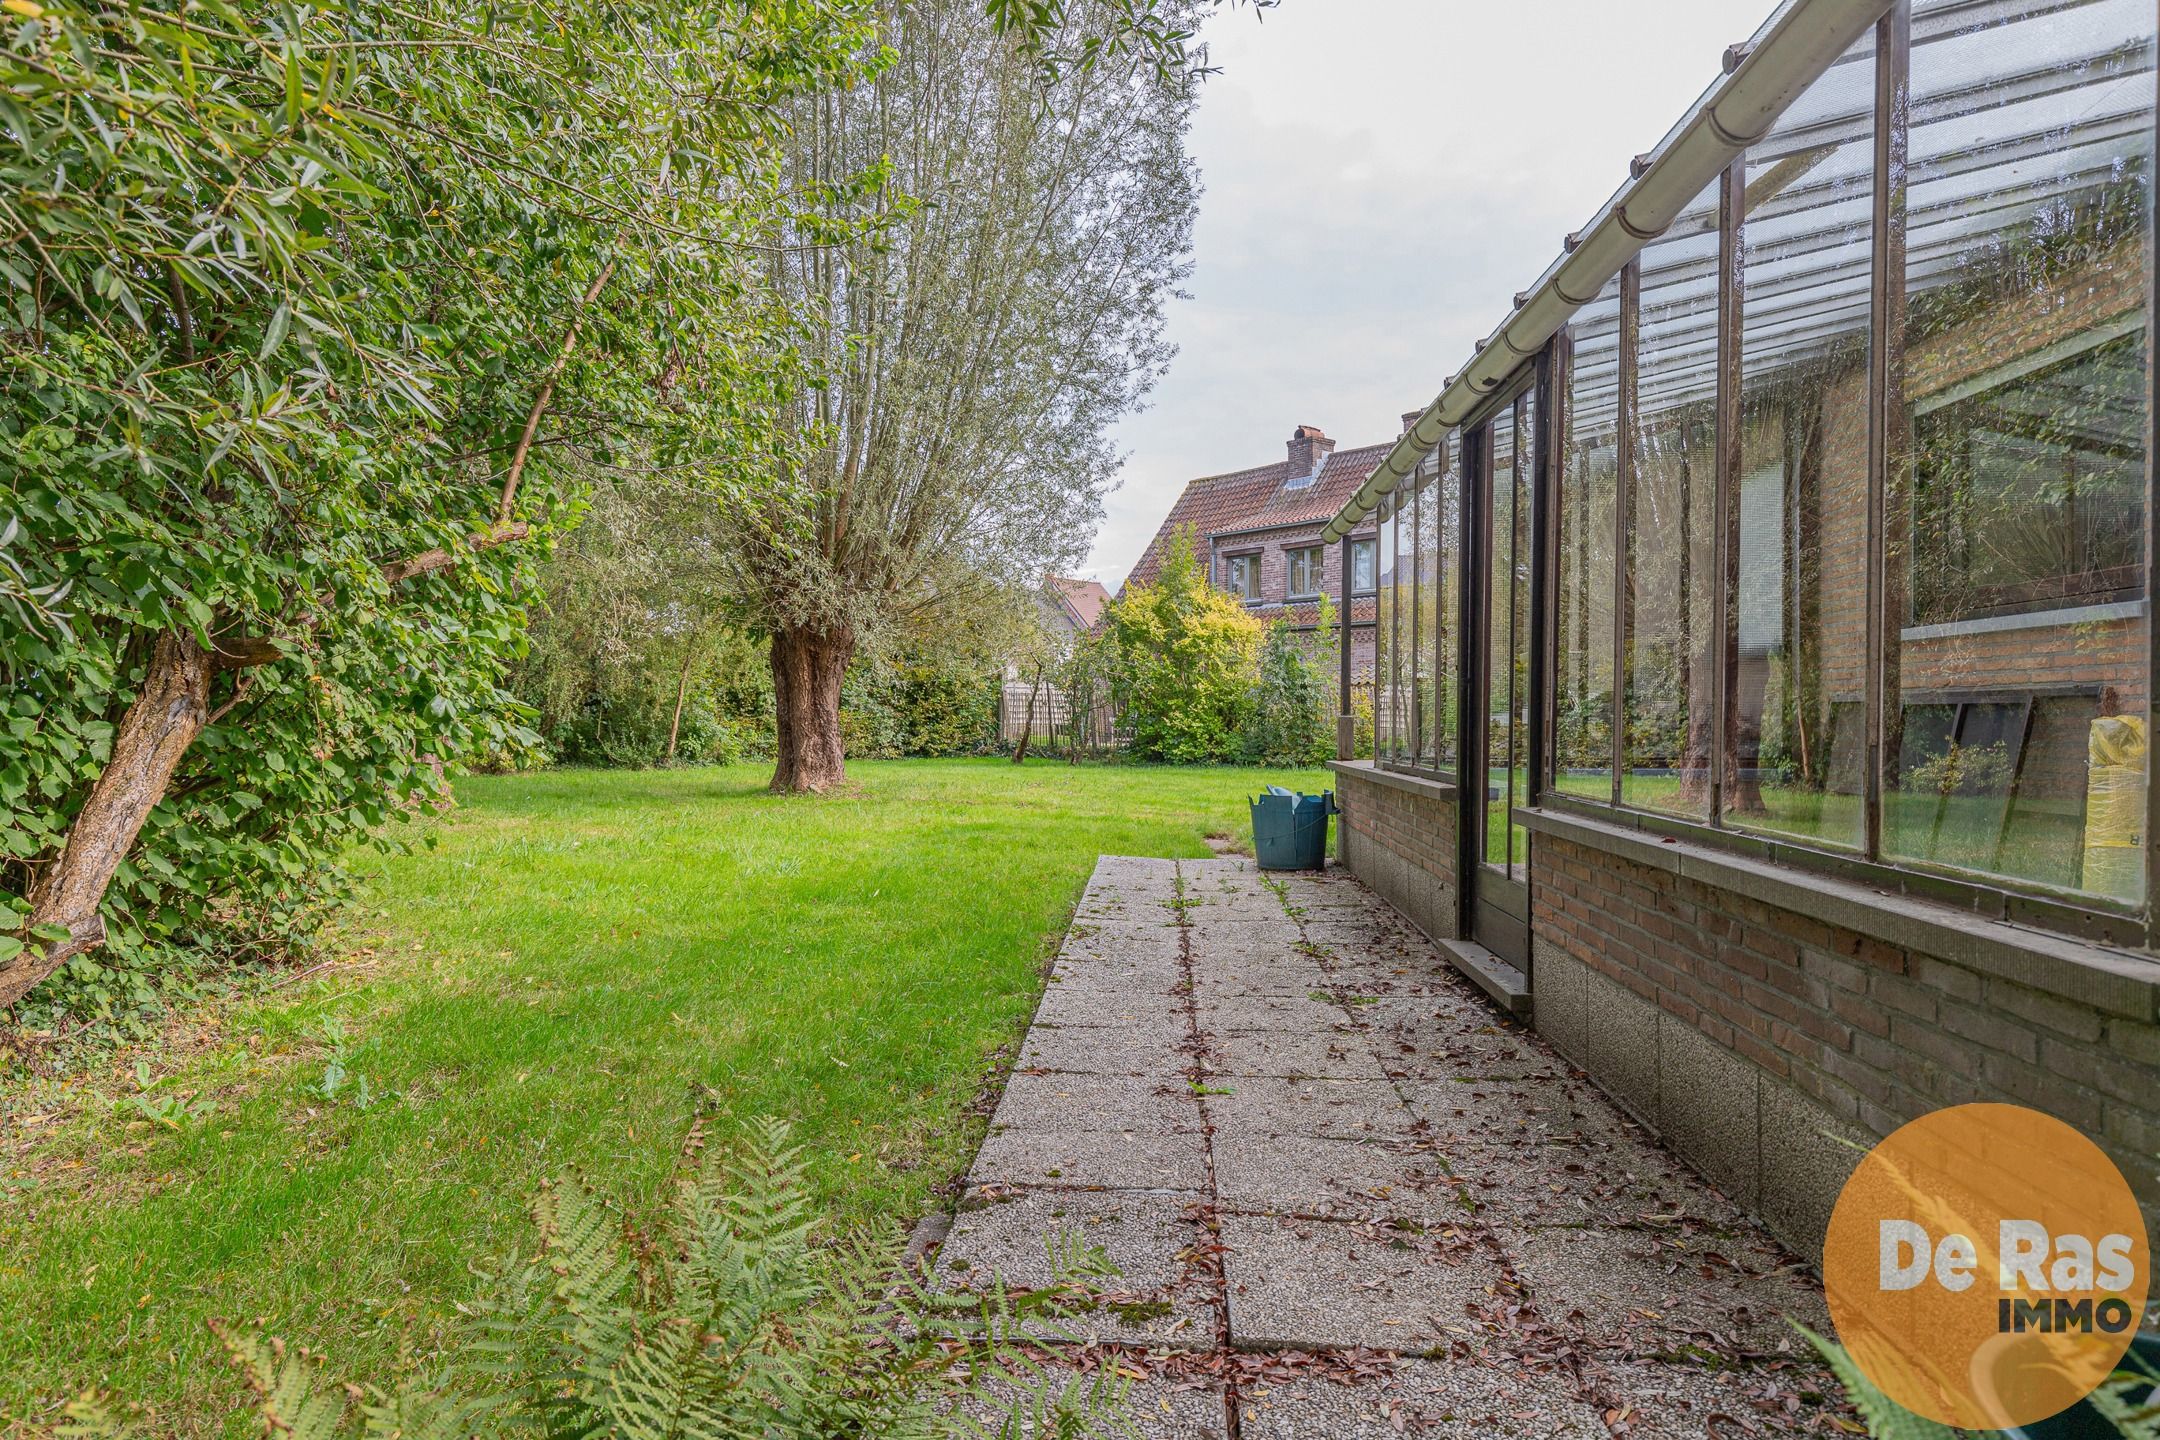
1792	49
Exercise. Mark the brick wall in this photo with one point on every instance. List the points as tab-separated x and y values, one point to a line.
1859	1034
1398	836
1273	547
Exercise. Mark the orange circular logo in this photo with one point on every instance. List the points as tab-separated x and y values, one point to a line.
1986	1266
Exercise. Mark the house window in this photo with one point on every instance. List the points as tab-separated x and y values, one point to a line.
1362	579
1306	567
1241	575
2030	494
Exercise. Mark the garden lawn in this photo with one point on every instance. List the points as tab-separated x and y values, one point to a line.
587	963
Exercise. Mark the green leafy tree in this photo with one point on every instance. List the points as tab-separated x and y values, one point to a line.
312	317
1185	660
1291	719
973	351
725	1318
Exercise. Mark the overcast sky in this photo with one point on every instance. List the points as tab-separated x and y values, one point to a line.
1382	176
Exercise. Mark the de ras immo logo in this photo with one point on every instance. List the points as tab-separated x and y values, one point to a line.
1987	1266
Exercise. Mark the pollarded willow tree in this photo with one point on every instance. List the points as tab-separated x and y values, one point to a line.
975	345
304	312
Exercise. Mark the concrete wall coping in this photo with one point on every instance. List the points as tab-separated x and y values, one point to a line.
1370	773
2120	982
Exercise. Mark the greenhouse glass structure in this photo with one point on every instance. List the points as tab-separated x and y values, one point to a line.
1766	658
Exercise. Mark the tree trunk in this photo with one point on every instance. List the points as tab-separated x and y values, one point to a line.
1027	726
168	713
807	667
682	689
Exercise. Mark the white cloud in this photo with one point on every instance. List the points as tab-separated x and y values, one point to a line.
1382	176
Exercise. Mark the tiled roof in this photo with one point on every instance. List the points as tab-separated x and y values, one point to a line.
1254	499
1085	598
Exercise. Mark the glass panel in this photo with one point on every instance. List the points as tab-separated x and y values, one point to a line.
1426	510
1447	524
1413	635
1669	526
1507	675
1800	611
1583	628
2018	744
1384	647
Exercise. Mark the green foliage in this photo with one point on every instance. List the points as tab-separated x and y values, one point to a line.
724	1318
1962	770
1183	662
921	703
2123	1401
1292	713
1884	1417
282	293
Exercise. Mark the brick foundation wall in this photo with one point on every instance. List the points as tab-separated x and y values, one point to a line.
1755	1038
1398	836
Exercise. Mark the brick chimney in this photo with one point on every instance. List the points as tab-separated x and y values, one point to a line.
1309	448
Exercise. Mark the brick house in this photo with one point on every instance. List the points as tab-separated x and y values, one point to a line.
1258	533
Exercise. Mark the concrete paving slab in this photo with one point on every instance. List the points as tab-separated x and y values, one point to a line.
1431	1398
1339	1179
1342	1204
1650	1400
1158	1297
1234	940
1221	1011
1507	1112
1159	1050
1151	974
1335	1054
1058	1103
1270	1105
1642	1293
1130	939
1323	1285
1094	1159
1326	890
1157	1409
1091	1005
1485	1052
1633	1186
1292	976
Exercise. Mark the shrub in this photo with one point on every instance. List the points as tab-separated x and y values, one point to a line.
1291	720
724	1320
1183	661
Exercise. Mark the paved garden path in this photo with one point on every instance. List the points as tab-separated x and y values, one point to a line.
1346	1196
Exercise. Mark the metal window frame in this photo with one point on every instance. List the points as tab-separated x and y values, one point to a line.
1888	454
1422	755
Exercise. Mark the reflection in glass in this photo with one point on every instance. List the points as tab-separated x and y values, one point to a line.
1801	641
1385	651
1671	573
1583	626
2017	746
1507	670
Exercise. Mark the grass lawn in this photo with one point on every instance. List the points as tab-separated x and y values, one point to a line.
586	963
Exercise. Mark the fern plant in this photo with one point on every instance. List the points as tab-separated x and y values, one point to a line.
2128	1400
728	1319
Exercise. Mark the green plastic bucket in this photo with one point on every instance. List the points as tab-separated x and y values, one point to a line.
1290	830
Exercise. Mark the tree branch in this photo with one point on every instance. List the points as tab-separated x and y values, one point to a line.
540	401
